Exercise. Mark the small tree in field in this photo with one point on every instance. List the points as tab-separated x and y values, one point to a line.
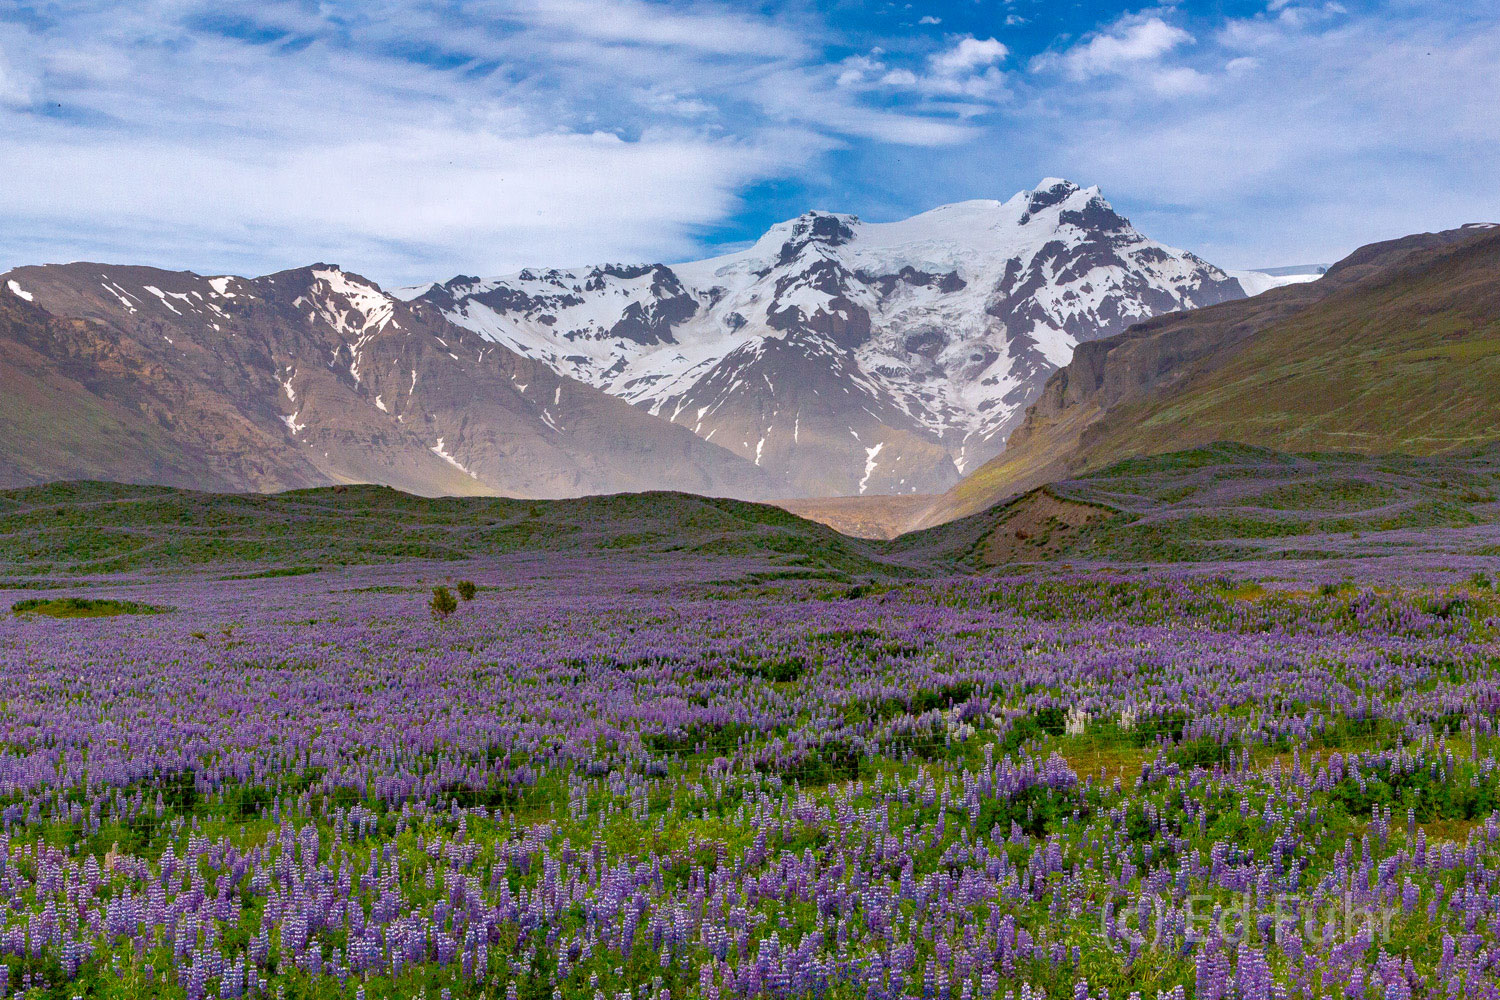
467	590
443	603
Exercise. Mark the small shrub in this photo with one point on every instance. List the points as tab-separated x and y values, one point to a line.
443	603
467	590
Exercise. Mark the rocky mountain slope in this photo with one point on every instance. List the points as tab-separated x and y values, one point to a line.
1395	349
845	357
307	377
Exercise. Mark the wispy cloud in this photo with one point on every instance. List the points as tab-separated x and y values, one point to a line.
416	140
1302	132
712	29
15	85
543	131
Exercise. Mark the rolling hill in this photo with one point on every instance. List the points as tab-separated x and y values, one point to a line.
1223	503
85	529
1231	502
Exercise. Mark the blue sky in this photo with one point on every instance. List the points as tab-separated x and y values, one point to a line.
412	141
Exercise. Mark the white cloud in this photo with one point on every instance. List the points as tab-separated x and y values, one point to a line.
671	103
966	70
494	201
1177	81
1131	42
1309	139
546	131
967	55
857	69
15	87
929	19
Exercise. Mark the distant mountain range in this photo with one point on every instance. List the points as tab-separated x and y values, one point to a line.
304	378
846	357
831	357
892	375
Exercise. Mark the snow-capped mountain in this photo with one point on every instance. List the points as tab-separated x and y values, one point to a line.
846	357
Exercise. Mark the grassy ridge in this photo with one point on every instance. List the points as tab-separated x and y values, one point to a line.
1229	501
1406	366
82	607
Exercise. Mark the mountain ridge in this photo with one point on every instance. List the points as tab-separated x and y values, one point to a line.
832	357
307	377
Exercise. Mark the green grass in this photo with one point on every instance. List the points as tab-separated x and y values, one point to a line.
83	607
1223	501
279	571
69	529
1228	501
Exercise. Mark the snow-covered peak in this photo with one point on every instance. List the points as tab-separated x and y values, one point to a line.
963	235
951	319
1053	183
783	241
348	303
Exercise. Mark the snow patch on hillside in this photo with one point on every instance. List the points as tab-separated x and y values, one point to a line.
441	452
1259	282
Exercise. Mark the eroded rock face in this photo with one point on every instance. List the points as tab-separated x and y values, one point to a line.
940	329
308	377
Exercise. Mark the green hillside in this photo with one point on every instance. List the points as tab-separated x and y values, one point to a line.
92	528
1223	502
1233	502
1399	352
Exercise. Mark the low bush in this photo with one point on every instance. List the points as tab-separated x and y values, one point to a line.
443	603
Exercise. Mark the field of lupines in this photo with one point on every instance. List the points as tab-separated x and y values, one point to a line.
609	780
